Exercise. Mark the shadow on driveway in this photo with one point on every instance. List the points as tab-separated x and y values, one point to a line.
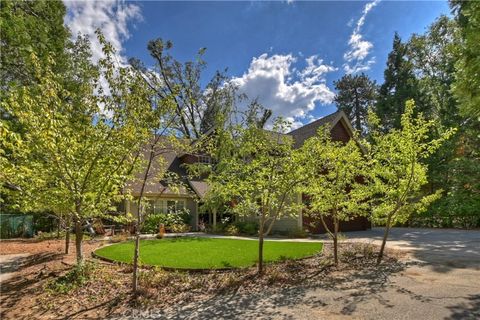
443	249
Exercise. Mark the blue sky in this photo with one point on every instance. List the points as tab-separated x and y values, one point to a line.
286	54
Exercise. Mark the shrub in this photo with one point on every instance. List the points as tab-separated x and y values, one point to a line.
169	220
219	228
179	228
159	278
119	237
76	277
247	227
232	230
297	233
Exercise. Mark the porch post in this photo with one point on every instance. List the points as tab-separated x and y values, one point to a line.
195	227
300	212
127	206
214	217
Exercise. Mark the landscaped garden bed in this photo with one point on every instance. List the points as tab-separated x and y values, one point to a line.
207	253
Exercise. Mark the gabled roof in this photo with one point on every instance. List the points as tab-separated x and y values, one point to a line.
167	159
309	130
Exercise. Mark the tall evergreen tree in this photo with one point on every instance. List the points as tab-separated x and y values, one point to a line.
433	59
355	94
467	85
400	85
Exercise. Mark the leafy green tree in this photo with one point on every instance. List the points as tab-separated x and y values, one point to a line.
355	94
258	172
81	142
467	80
399	86
26	28
335	181
399	172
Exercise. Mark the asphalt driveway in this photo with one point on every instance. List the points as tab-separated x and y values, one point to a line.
443	248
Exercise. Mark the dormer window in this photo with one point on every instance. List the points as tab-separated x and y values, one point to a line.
204	159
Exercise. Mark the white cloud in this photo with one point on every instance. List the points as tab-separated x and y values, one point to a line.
111	16
359	47
279	86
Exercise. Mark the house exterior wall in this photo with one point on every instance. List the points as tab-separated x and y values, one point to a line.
339	132
285	224
189	159
290	223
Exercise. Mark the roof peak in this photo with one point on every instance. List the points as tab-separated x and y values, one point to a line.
318	122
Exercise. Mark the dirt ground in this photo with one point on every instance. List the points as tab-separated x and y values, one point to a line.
22	294
27	293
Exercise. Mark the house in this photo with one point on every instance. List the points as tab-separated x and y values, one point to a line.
160	196
162	199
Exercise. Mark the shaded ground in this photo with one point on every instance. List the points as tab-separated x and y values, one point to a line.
437	277
9	264
29	265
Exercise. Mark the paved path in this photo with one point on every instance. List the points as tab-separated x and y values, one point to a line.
441	282
9	263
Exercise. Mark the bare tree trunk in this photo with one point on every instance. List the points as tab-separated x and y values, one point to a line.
261	231
78	241
67	237
335	240
214	211
136	254
384	241
260	249
138	226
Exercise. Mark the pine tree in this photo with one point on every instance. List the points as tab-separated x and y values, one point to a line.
355	94
400	85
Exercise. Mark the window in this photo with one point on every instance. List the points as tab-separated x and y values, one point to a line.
159	207
204	159
174	206
170	206
150	206
180	205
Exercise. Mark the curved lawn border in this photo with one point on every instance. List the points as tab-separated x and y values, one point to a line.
205	270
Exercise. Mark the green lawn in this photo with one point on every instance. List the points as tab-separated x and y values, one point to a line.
207	253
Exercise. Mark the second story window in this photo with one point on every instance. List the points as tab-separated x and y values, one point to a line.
204	159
